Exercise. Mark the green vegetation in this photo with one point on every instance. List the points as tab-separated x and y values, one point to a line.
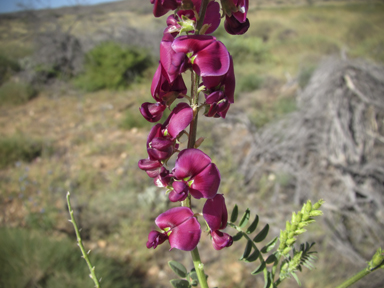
268	112
112	66
20	148
16	93
31	259
8	66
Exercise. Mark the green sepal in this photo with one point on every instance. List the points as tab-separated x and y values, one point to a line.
262	234
253	257
238	236
253	225
180	283
270	245
235	213
247	250
178	268
244	220
315	213
259	269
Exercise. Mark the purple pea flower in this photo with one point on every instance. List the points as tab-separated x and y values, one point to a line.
161	142
194	173
152	112
236	21
203	53
179	226
216	215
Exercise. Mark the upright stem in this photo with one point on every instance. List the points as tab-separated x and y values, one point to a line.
199	267
80	244
195	79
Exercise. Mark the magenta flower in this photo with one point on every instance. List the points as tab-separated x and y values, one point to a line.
216	215
161	7
163	90
194	173
207	56
152	167
221	92
161	142
203	53
152	112
236	21
179	226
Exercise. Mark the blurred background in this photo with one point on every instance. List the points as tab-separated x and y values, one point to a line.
307	123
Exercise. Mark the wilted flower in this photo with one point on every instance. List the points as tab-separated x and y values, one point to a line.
179	226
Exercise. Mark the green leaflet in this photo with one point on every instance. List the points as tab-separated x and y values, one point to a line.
253	225
178	268
180	283
235	213
262	234
244	220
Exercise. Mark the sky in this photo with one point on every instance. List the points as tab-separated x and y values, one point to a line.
14	5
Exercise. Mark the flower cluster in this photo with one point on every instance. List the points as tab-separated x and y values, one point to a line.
186	46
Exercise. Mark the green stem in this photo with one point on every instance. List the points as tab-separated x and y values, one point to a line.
199	267
203	9
80	244
355	278
265	270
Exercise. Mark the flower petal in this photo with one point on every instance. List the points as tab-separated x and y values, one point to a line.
221	240
173	217
186	236
190	162
215	212
206	183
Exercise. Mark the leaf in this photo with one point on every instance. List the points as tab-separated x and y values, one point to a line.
262	234
253	226
180	283
253	256
296	278
247	250
269	246
235	213
193	275
259	269
238	236
271	258
268	281
178	268
244	220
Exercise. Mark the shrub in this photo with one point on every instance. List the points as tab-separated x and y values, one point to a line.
31	259
112	66
247	49
7	68
20	148
248	83
12	93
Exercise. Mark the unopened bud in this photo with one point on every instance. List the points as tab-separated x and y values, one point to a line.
290	241
316	213
318	204
377	259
